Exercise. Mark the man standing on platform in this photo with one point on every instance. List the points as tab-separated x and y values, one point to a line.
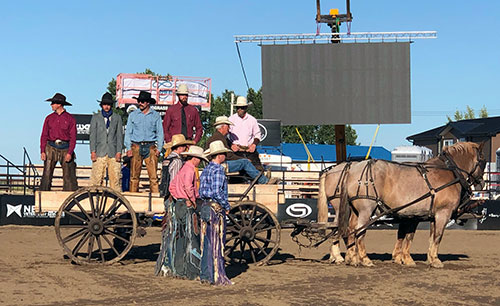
143	137
57	144
106	144
233	161
181	118
245	133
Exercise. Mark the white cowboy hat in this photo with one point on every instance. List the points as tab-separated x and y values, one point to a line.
222	120
182	89
178	140
242	101
216	147
196	152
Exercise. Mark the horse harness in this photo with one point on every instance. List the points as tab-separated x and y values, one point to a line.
366	179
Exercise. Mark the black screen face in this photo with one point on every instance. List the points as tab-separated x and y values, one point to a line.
346	83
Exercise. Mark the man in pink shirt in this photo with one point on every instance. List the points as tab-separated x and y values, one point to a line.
57	144
180	254
245	133
184	185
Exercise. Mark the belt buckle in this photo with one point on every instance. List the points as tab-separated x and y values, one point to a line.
58	142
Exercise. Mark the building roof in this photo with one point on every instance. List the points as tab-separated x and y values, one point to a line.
327	153
485	127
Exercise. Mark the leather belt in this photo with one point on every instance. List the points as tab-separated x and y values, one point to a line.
144	142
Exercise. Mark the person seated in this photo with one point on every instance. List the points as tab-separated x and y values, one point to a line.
245	134
234	162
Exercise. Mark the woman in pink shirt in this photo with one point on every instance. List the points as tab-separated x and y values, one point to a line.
181	256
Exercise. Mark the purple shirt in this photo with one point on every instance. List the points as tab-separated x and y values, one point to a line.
62	127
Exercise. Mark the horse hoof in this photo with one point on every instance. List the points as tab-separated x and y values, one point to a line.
367	263
397	260
437	264
339	261
410	264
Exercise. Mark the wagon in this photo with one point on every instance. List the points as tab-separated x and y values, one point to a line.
99	225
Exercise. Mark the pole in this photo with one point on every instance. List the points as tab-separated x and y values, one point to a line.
340	143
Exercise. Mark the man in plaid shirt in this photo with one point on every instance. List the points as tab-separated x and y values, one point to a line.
213	181
215	206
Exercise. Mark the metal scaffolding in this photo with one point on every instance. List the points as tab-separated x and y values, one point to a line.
365	37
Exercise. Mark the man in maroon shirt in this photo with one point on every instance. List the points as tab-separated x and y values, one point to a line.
181	117
57	144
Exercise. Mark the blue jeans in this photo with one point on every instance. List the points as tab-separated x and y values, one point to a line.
247	166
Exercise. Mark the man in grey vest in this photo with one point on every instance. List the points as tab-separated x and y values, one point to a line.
106	144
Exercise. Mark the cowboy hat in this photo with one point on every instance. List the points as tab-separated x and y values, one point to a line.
107	98
216	147
178	140
222	120
195	151
58	98
242	101
145	96
182	89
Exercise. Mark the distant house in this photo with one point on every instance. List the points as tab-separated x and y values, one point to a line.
473	130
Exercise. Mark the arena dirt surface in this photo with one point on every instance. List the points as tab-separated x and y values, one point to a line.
34	271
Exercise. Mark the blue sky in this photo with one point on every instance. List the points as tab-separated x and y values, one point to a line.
76	47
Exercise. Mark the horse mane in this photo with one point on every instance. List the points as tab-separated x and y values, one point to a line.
460	148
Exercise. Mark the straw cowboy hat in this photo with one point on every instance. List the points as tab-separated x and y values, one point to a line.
107	98
58	98
182	90
195	151
178	140
222	120
145	96
216	147
242	101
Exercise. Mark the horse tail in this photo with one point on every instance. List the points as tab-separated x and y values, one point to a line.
344	212
322	200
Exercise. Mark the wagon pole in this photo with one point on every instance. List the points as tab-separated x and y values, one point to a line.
334	20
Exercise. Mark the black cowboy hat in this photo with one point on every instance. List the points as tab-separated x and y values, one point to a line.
58	98
107	98
145	96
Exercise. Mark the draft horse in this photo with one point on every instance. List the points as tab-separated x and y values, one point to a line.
410	192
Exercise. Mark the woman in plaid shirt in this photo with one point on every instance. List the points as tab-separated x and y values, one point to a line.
213	191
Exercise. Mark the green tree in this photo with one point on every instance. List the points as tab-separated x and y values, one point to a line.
483	112
317	134
468	114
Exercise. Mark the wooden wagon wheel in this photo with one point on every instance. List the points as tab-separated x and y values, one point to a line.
89	223
252	233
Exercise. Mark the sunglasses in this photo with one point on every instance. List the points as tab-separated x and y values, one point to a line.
241	107
139	102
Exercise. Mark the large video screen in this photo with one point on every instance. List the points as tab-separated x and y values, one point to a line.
345	83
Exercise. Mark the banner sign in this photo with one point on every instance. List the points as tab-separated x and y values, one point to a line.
163	89
298	209
20	210
82	126
270	130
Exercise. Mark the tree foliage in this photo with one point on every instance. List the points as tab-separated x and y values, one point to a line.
469	113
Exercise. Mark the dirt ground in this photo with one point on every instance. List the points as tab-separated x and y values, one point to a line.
34	271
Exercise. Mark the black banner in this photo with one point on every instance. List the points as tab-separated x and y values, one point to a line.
298	209
82	126
270	130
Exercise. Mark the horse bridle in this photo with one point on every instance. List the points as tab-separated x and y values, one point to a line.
471	178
